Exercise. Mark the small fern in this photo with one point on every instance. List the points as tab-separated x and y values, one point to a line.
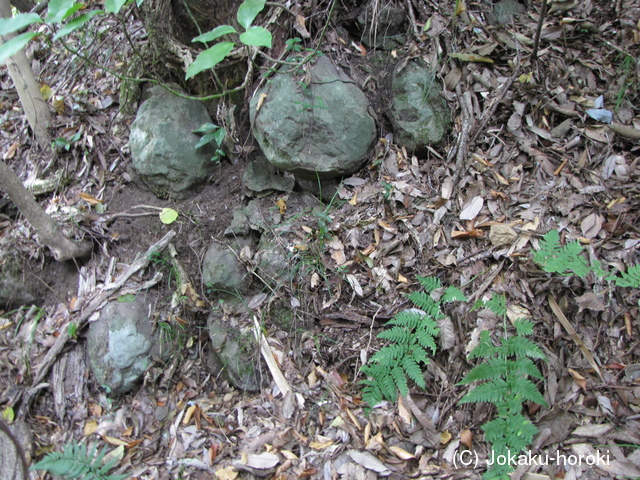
412	337
554	258
506	384
567	260
75	462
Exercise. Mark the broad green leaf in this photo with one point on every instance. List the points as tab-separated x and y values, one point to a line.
215	33
210	58
62	9
8	415
206	128
248	11
205	140
138	3
219	135
114	6
13	46
126	298
13	24
76	23
168	216
257	37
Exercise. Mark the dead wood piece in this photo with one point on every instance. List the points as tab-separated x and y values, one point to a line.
100	298
267	354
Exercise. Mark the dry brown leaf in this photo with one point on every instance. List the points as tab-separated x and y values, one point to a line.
300	26
502	235
591	225
445	437
401	453
466	438
11	151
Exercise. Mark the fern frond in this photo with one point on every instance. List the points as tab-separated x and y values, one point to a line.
524	366
524	327
429	283
388	355
522	347
526	389
400	379
554	258
497	304
74	462
485	348
493	368
413	371
630	278
396	334
453	294
426	338
410	318
490	392
423	301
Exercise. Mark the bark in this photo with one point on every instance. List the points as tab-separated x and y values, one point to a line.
48	231
20	71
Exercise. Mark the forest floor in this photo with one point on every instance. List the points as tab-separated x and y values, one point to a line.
523	153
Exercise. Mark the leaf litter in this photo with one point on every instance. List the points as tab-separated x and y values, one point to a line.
532	150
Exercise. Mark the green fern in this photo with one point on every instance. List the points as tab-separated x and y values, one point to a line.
505	377
74	462
412	338
567	260
554	258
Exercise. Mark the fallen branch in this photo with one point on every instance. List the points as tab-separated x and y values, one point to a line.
95	304
267	354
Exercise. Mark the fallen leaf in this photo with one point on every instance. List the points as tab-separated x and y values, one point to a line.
502	235
445	437
262	461
472	208
282	205
370	462
168	216
470	57
300	26
466	438
261	99
11	151
401	453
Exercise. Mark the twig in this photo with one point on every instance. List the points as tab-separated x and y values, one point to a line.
536	40
96	303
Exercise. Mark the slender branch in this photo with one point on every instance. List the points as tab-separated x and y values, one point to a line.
536	40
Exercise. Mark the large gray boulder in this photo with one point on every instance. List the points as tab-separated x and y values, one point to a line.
323	127
120	345
419	114
162	144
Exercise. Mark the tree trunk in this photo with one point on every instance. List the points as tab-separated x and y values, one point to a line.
20	71
63	248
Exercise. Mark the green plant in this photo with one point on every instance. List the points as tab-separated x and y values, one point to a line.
505	383
253	36
568	260
211	132
411	335
61	143
76	462
59	12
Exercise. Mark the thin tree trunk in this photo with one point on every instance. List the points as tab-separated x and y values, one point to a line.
20	71
62	247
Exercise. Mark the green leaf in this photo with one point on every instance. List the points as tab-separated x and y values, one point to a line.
61	9
256	37
13	46
248	11
168	216
114	6
210	58
205	140
76	23
13	24
206	128
215	33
